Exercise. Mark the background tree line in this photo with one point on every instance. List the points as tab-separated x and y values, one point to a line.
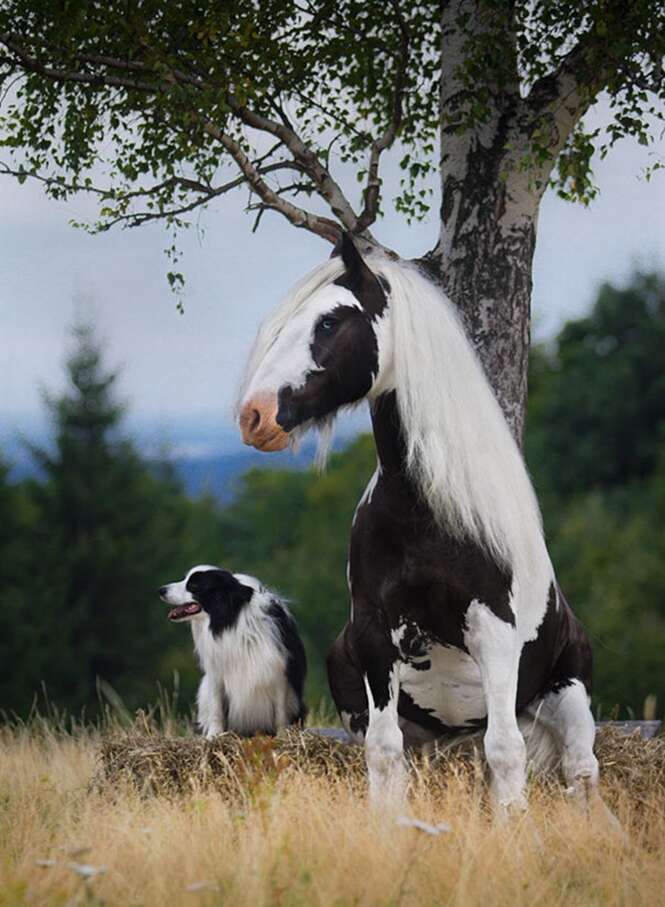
84	547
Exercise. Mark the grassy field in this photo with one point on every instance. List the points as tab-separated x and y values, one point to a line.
286	835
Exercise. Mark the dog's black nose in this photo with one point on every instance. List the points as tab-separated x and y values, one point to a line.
162	591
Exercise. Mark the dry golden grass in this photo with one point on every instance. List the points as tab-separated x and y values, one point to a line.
289	825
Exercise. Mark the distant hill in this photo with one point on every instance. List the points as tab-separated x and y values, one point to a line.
218	475
209	458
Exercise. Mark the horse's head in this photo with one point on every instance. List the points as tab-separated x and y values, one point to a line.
327	354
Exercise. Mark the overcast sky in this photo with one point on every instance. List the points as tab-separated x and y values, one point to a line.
179	372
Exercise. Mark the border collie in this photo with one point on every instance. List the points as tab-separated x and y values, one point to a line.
249	649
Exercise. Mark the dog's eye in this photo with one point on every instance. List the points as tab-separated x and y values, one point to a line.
328	324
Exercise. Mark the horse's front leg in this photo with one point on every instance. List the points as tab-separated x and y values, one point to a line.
494	646
384	748
379	661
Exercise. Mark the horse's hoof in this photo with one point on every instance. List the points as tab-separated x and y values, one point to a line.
585	796
510	810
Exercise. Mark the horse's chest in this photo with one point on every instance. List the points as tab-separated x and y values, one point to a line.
441	680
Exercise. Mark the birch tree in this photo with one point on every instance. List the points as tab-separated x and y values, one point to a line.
180	103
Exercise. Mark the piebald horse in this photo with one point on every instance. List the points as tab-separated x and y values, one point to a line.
457	622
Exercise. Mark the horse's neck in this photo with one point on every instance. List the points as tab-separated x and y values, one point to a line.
388	437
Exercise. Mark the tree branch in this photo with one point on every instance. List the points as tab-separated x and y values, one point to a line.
136	218
32	64
327	186
321	226
373	187
566	94
304	159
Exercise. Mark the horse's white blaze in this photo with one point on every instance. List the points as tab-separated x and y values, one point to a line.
494	646
287	359
384	749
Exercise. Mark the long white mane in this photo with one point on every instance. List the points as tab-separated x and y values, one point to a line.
460	452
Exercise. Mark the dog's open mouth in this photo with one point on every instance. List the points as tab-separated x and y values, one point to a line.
182	611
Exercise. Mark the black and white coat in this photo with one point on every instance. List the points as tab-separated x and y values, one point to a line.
249	649
457	621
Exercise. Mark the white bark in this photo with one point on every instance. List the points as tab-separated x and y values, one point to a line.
490	205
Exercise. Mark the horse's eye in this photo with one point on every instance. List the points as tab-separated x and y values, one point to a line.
328	324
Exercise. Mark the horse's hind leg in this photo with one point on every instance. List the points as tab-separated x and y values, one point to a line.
347	686
566	712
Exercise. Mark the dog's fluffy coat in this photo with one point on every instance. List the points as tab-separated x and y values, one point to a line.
249	649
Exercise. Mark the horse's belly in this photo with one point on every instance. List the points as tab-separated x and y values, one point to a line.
445	682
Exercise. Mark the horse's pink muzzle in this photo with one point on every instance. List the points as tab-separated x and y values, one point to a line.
258	424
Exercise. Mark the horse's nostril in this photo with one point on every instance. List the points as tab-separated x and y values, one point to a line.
250	421
257	423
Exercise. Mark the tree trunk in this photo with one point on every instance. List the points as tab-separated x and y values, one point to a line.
484	262
489	213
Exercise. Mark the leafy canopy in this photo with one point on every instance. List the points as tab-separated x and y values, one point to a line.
162	97
603	387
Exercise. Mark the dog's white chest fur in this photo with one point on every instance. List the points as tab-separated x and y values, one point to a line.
245	687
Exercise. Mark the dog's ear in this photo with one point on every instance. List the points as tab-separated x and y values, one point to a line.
229	588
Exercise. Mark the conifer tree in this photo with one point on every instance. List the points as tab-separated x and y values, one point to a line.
105	537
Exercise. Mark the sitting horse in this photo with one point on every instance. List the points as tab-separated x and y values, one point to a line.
457	622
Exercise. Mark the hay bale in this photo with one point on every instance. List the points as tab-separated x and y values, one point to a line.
233	765
631	763
229	763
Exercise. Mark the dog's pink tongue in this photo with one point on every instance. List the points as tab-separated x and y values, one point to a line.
184	611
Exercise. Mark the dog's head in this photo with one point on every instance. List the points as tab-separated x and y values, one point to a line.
209	591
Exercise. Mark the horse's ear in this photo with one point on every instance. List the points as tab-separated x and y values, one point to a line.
337	248
357	277
351	257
